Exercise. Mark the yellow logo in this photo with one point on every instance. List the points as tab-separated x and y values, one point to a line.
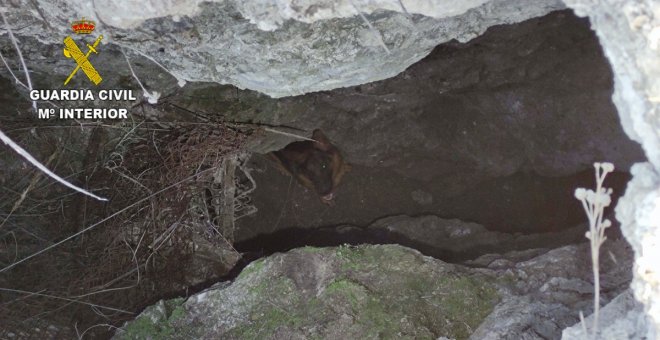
71	50
83	26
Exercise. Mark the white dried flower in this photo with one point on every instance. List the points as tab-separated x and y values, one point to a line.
602	198
594	204
590	196
607	167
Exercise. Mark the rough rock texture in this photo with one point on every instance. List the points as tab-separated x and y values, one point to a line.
387	291
533	97
325	46
450	240
331	293
630	34
521	100
547	292
272	15
624	317
456	239
475	126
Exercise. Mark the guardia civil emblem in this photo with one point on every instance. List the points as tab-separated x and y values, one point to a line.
71	50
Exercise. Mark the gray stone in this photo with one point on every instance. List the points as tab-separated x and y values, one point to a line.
210	42
332	293
385	291
318	45
629	32
473	125
456	239
422	197
623	318
546	293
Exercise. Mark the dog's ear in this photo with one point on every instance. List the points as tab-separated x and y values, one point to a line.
322	142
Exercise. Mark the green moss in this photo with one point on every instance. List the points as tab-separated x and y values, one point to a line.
351	257
155	323
312	250
177	313
380	319
387	292
351	291
266	323
463	301
253	267
508	280
408	292
277	287
278	312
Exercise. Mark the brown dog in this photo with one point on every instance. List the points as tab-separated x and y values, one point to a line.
316	165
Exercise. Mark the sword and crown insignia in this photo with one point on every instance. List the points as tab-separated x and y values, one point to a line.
71	50
83	26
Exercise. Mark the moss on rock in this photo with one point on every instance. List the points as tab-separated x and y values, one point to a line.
366	292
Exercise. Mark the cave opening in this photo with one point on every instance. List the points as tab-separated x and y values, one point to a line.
475	149
498	131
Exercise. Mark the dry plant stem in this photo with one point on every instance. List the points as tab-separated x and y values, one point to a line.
20	56
403	7
179	79
65	299
584	324
81	335
289	134
41	167
596	242
594	204
152	97
372	28
239	205
227	181
99	222
31	186
18	81
596	270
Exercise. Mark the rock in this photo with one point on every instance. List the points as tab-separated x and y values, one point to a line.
510	100
344	292
452	239
623	318
488	128
629	32
318	45
389	291
272	16
422	197
546	293
312	52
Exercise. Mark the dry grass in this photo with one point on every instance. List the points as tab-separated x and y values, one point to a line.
168	200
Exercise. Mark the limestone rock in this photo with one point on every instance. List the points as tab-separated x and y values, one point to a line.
546	293
388	291
623	318
629	32
337	293
318	45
